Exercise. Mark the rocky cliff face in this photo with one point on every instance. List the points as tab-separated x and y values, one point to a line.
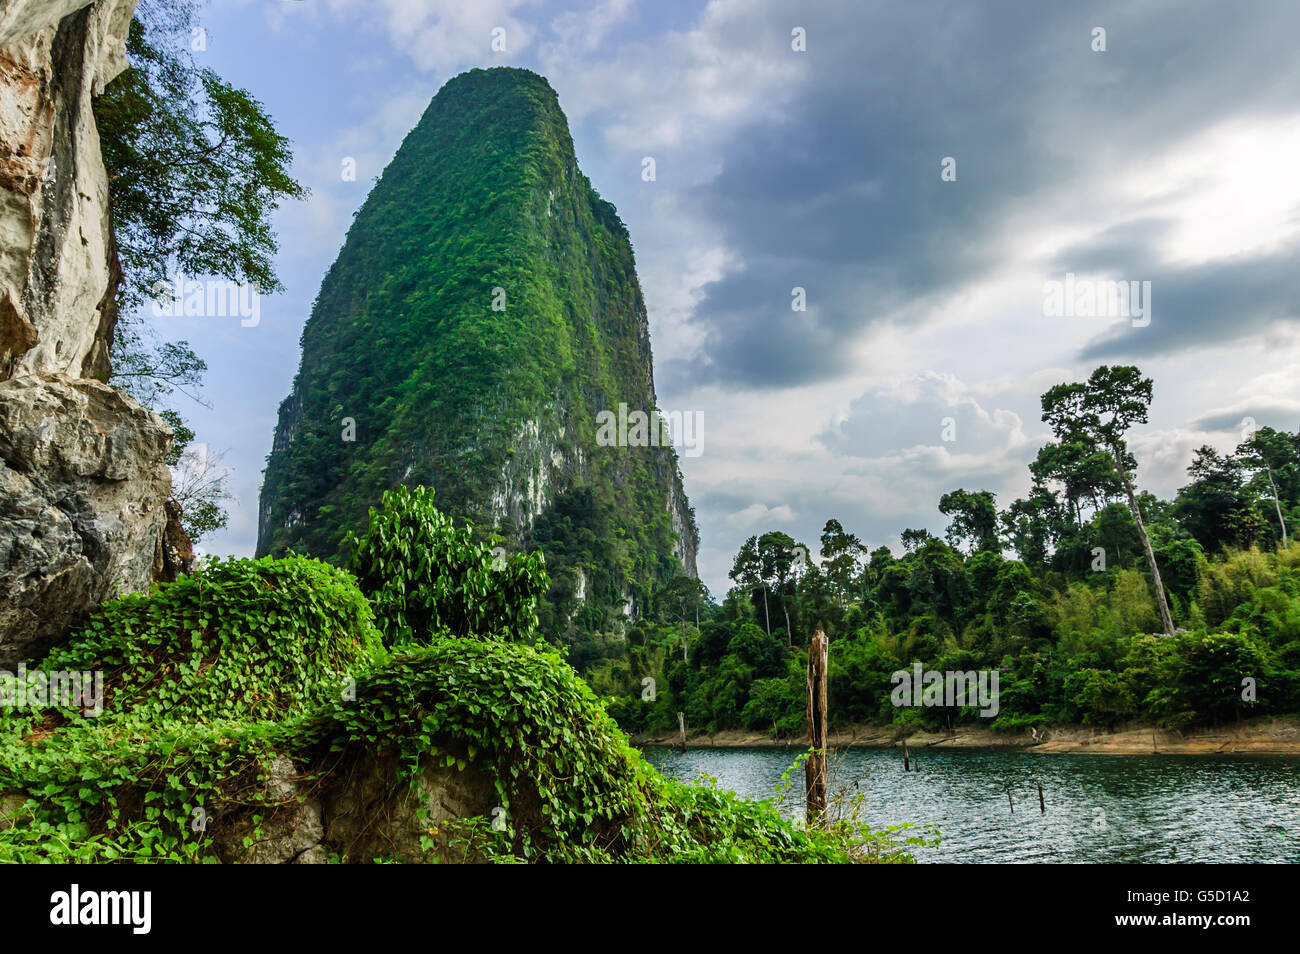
82	478
81	504
55	258
483	312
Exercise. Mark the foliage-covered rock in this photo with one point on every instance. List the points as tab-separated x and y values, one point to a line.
564	785
239	639
230	733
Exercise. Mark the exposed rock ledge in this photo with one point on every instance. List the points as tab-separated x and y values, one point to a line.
82	482
359	815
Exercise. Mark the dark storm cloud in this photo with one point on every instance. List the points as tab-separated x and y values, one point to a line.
839	191
1229	302
1282	417
1123	250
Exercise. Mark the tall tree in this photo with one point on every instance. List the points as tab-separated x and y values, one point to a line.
1271	454
842	554
779	558
747	571
1217	508
1102	410
195	170
196	166
683	596
974	518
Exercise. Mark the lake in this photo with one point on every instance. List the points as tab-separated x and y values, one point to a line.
1100	808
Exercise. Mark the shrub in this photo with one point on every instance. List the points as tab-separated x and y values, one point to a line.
424	576
246	639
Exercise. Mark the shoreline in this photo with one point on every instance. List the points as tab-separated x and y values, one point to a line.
1274	735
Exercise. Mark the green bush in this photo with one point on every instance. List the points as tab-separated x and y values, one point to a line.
424	576
236	639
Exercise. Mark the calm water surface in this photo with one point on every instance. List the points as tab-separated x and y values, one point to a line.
1100	808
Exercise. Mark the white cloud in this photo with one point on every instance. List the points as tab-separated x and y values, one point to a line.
678	88
1229	191
760	515
582	31
445	36
928	410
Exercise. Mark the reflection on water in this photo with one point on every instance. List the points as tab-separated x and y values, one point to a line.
1100	808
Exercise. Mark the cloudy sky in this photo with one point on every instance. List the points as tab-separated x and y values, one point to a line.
1171	157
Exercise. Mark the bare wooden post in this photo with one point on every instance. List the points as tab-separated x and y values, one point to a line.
1009	803
1041	807
681	723
815	767
907	765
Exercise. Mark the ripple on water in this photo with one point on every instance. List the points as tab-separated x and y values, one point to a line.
1100	808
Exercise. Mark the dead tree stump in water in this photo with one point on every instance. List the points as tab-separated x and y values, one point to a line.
815	767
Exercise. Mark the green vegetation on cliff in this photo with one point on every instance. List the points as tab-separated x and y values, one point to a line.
243	698
483	310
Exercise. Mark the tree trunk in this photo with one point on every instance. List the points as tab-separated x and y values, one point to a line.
1166	620
767	619
789	633
815	766
1277	503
